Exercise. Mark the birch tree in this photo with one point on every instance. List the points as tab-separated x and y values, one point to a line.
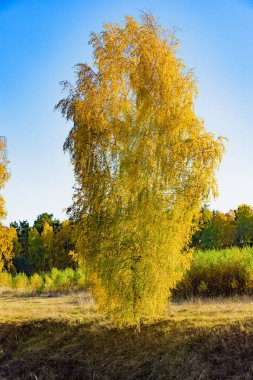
143	162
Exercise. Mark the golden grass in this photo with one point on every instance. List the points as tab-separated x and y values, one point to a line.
78	307
22	308
211	312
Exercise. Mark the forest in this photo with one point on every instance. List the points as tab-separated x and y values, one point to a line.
222	264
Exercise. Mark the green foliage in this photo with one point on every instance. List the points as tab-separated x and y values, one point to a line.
219	230
63	247
202	287
46	218
80	278
35	251
46	245
70	273
244	221
54	281
218	273
54	273
63	281
20	281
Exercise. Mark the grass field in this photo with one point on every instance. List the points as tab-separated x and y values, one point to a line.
65	338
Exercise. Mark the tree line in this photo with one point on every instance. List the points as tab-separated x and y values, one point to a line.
217	230
47	244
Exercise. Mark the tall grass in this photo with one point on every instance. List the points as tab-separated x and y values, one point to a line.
218	273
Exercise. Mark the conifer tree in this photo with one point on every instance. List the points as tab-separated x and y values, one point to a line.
143	163
36	257
63	252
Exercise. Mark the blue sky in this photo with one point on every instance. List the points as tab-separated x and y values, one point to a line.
41	41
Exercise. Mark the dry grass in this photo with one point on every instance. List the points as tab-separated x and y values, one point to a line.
78	307
22	308
212	312
63	337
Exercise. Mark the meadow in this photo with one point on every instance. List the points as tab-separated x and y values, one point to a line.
64	336
50	327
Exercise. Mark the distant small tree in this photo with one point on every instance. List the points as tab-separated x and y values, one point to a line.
244	223
21	246
204	220
144	164
219	231
64	247
46	218
35	252
47	236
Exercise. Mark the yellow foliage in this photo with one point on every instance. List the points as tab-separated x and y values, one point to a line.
144	164
7	235
4	174
7	238
5	279
47	236
20	281
49	283
36	282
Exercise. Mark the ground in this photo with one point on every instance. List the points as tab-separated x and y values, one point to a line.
64	337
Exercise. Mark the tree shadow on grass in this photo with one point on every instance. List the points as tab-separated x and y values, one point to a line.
48	349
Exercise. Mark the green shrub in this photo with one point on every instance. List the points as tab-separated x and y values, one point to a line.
80	278
70	273
202	288
20	281
218	273
62	282
54	273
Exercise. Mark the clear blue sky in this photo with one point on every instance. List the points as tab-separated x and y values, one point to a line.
41	41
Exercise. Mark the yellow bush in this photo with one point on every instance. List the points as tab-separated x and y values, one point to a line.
20	281
36	282
5	279
48	283
54	273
